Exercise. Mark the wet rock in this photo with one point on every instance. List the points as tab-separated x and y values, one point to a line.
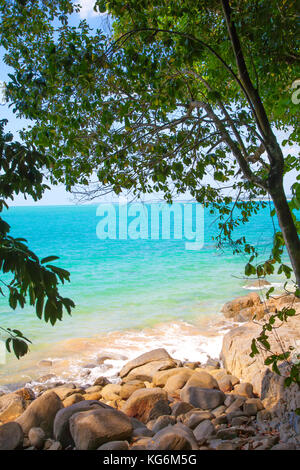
101	381
11	436
204	398
41	413
91	429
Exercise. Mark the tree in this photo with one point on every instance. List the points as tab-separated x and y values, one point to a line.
25	277
180	92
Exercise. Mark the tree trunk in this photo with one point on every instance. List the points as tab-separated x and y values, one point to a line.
288	228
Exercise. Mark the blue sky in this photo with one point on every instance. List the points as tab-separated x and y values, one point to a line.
58	195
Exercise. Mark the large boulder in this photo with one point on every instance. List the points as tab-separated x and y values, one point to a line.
41	413
155	355
12	405
161	377
11	436
146	372
141	402
231	309
204	398
91	429
61	426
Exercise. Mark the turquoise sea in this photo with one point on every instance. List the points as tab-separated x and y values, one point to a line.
124	285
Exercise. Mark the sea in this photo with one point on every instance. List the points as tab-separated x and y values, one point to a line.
135	290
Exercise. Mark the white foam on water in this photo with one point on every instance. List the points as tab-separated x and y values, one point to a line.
181	340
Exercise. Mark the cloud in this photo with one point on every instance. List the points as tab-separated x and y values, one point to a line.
87	9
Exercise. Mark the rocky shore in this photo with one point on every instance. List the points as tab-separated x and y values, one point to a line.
160	403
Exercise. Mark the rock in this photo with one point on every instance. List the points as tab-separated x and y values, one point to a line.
160	408
222	419
215	363
111	356
11	436
180	408
93	389
37	437
111	392
90	429
250	409
141	444
76	398
227	434
229	400
257	402
177	437
41	413
239	420
191	365
236	404
203	380
284	446
92	396
45	363
101	381
55	446
260	283
245	389
204	398
65	392
225	384
232	308
61	422
227	445
162	422
114	445
177	381
160	378
26	393
204	430
155	355
11	406
196	418
148	371
218	411
130	387
142	432
141	402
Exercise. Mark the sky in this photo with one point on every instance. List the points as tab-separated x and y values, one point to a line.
57	195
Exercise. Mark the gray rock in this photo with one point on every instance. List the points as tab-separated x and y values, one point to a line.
180	408
160	408
142	432
114	445
55	446
177	437
61	422
197	417
204	398
11	436
204	430
37	437
162	422
90	429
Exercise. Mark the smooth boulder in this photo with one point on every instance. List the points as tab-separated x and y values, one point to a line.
141	402
204	398
11	436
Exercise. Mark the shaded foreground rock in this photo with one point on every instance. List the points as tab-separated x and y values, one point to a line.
11	436
90	429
